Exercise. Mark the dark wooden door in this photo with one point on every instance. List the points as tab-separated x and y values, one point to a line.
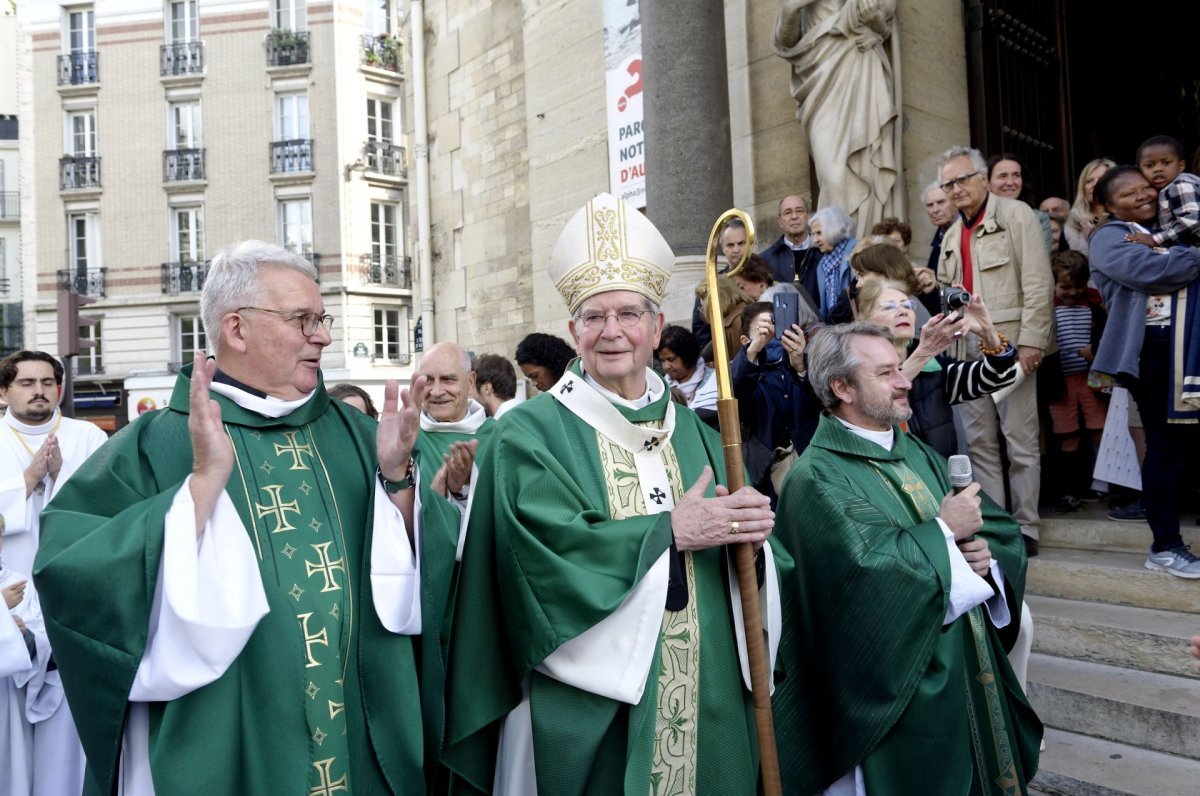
1018	94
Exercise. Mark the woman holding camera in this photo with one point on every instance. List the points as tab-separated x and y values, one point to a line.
939	381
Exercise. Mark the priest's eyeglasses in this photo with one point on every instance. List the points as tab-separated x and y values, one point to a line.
950	185
627	317
309	321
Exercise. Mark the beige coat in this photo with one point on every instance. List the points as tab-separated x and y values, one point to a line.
1011	270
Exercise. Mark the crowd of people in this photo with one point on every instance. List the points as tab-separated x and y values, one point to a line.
273	587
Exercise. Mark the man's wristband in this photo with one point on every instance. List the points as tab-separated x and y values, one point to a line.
407	482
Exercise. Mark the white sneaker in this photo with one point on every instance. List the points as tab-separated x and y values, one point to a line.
1178	561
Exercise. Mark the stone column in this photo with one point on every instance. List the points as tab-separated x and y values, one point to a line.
689	173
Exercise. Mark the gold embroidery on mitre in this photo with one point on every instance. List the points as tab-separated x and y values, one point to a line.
588	279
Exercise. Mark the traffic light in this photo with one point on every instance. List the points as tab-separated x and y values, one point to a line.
70	343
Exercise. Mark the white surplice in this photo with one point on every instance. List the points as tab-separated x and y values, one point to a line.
209	598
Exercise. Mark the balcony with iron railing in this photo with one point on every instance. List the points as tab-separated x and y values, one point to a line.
287	47
84	281
181	58
183	165
78	68
382	52
186	276
10	206
385	158
291	156
388	271
79	172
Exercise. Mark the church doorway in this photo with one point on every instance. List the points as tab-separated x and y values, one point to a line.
1059	84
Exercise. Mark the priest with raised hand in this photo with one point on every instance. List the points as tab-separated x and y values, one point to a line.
596	644
453	425
902	602
230	583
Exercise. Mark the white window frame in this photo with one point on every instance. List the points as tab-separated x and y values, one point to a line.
187	233
190	21
381	119
290	14
389	330
83	133
292	122
294	219
188	335
387	234
185	129
377	17
90	359
83	249
81	37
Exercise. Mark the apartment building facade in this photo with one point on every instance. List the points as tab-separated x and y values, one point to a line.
160	131
10	194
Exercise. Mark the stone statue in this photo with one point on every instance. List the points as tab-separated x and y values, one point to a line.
842	83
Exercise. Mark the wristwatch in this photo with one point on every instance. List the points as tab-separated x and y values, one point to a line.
407	482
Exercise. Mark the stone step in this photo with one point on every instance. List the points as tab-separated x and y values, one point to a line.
1120	635
1145	709
1080	765
1079	533
1109	577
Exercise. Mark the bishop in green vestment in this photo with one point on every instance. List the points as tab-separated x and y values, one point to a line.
594	646
901	601
230	585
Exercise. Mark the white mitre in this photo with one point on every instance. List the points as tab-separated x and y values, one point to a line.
610	245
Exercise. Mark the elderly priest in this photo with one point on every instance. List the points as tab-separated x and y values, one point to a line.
229	583
596	645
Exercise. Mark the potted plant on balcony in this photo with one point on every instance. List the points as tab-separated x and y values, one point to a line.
388	48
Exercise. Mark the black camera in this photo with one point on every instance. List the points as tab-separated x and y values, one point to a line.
954	299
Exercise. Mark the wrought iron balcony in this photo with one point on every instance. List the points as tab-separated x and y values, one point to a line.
10	205
183	277
385	158
386	271
78	68
287	47
182	165
181	58
382	52
78	172
291	156
84	281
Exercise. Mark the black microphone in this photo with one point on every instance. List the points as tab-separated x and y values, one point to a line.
961	475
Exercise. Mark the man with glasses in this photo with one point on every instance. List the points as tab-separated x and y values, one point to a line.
593	646
995	248
230	586
793	256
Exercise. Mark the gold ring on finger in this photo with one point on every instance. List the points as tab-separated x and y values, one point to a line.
734	528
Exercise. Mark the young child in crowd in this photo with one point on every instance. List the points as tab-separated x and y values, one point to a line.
1079	318
1162	161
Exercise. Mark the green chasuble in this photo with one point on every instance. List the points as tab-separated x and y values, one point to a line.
440	525
322	699
567	539
873	677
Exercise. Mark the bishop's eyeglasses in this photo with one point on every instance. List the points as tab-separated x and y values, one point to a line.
627	317
309	321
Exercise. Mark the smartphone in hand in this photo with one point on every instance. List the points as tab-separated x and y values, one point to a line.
787	312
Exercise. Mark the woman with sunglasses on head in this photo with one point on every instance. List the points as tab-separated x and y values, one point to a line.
938	381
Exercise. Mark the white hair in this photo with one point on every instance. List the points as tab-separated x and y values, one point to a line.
233	279
931	186
975	156
836	225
